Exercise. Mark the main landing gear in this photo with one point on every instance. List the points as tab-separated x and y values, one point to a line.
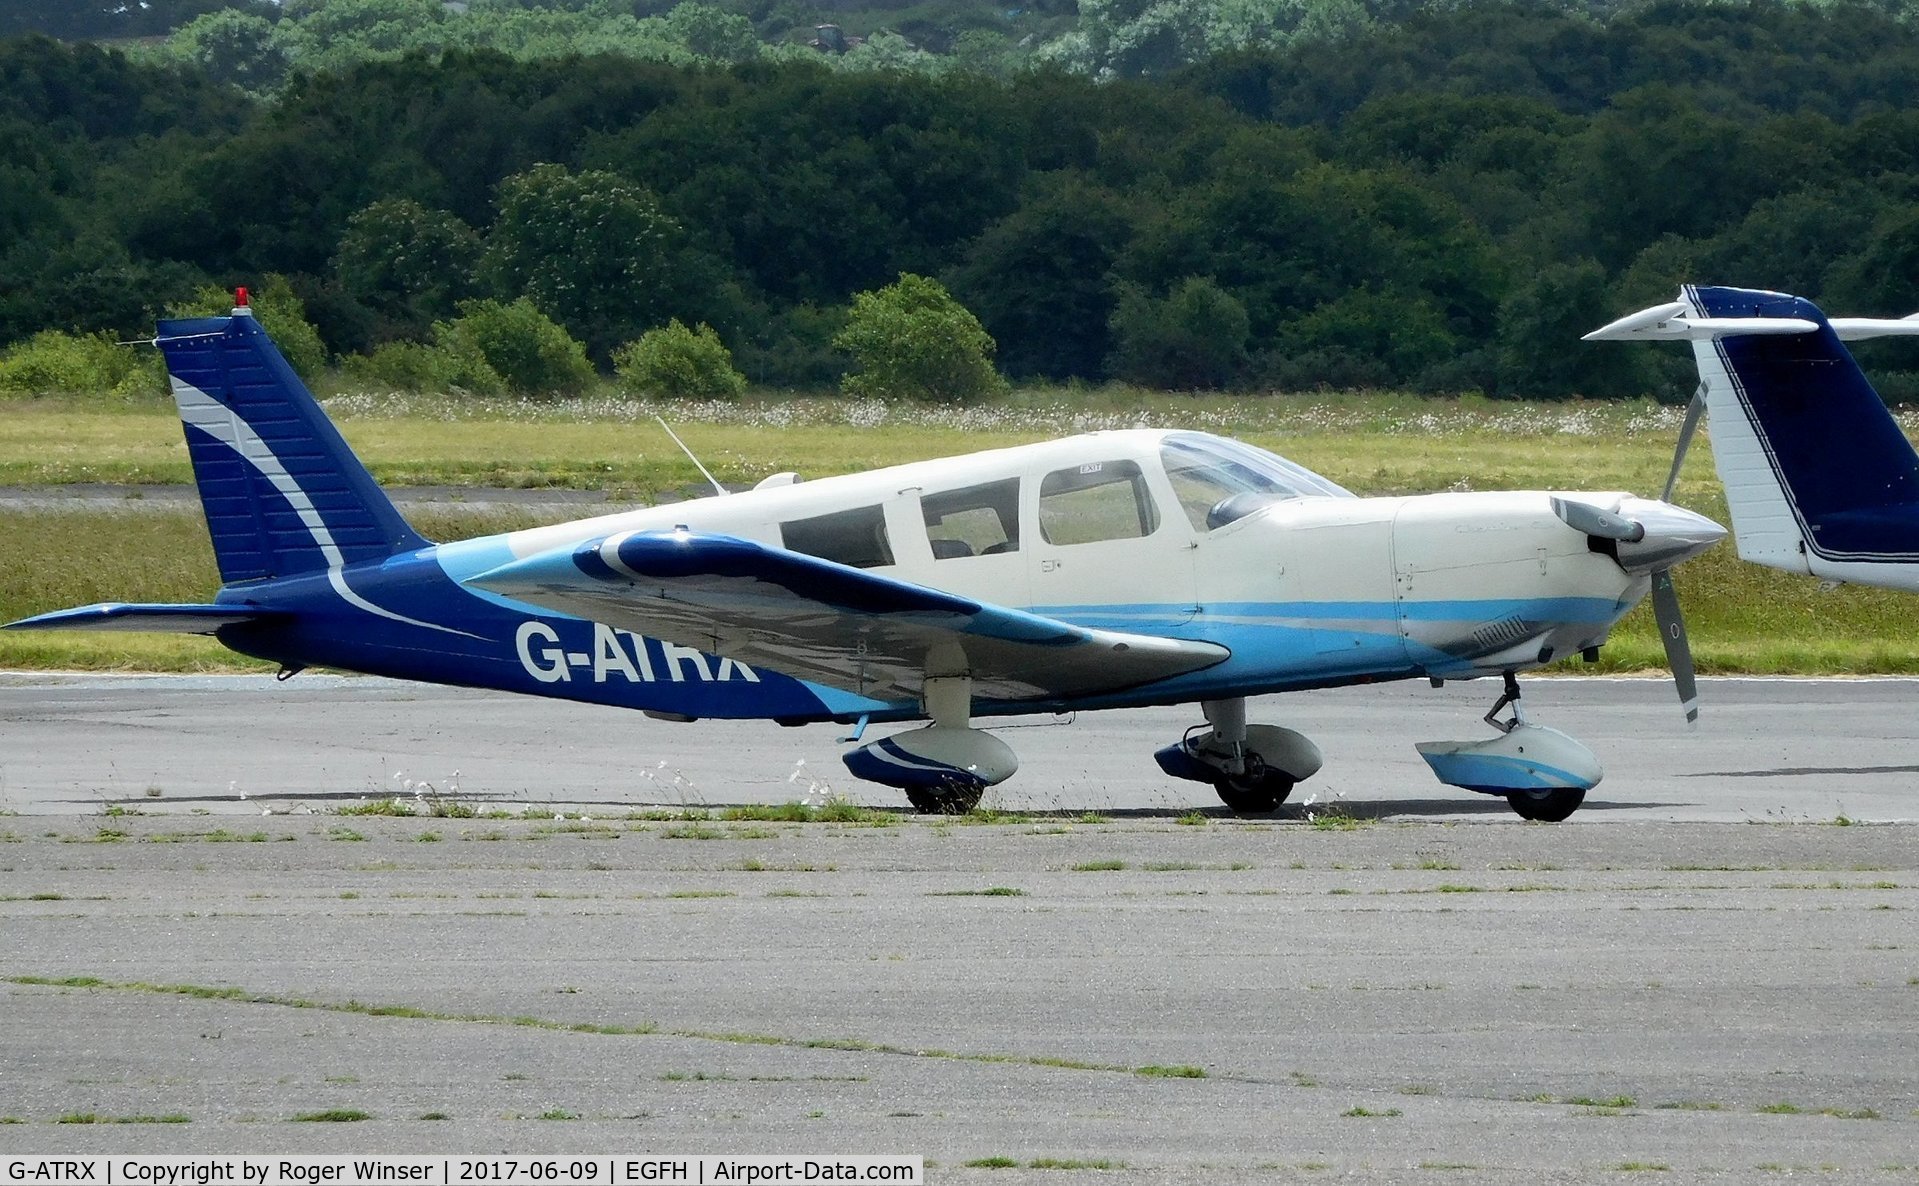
1542	773
943	767
1252	767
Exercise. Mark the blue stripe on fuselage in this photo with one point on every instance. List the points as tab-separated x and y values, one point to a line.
1276	646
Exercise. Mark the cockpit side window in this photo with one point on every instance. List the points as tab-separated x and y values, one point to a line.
977	521
1098	501
1210	473
856	537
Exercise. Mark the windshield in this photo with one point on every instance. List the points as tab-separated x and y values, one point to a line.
1206	471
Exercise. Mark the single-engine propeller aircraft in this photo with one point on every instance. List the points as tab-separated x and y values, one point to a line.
1106	570
1818	475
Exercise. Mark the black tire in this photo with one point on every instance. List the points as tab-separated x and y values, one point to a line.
1547	807
947	800
1259	791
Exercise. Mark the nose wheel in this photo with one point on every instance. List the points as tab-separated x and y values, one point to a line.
1547	807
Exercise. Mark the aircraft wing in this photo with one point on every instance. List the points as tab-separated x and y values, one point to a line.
829	623
164	618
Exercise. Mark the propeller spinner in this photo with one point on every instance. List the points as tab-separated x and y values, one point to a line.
1649	536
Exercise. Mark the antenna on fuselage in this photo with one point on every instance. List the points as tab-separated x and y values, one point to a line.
717	488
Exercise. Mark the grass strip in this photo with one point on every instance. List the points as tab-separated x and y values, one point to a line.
740	1038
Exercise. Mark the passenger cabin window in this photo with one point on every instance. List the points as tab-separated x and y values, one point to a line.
1218	480
856	537
976	521
1098	501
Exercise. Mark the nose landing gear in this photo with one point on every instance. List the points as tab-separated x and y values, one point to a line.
1542	773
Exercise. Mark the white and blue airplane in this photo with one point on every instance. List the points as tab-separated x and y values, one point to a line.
1106	570
1819	477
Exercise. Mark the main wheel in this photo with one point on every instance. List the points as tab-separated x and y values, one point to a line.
1547	807
1259	791
946	800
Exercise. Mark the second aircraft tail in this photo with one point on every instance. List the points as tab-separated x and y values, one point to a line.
1818	475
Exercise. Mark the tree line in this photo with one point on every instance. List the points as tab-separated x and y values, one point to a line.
1443	201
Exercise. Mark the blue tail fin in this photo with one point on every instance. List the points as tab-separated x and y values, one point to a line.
1818	475
282	491
1795	422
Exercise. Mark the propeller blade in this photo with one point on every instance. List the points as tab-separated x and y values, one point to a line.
1672	632
1691	425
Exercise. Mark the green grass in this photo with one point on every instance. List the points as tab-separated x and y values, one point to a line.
335	1116
1743	618
1172	1072
1613	1103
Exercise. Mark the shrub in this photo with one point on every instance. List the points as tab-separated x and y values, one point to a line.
913	339
56	363
525	347
675	360
416	366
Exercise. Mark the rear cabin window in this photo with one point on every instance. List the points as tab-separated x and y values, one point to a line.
856	537
977	521
1097	501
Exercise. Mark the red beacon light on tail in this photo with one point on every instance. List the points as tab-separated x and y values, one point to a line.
241	308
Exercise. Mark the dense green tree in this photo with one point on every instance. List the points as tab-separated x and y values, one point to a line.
1540	324
1193	338
1040	279
97	20
233	46
410	265
340	33
590	249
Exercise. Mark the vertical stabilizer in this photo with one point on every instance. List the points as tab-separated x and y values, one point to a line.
1815	468
282	491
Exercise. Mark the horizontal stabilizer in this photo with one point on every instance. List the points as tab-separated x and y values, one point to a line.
835	625
162	618
1668	323
1851	329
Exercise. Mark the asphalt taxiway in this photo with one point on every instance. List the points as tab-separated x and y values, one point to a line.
1765	749
1712	970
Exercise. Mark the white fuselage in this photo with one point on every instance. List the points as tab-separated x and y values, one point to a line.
1319	589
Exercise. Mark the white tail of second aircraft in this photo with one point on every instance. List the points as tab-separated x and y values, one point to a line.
1818	475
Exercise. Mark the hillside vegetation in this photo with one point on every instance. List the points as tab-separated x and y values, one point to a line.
1433	199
